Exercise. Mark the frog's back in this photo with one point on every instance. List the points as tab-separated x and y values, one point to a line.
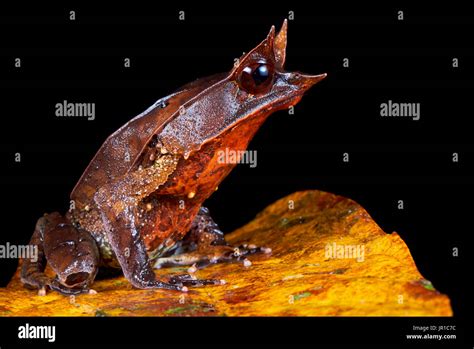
120	151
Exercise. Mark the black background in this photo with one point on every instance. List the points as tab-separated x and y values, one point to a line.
391	159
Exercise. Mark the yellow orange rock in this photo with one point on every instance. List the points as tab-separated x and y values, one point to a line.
329	259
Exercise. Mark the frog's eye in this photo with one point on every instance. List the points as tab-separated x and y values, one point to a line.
256	78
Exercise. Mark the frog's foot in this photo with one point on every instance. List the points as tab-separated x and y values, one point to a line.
205	245
69	291
45	283
204	256
191	280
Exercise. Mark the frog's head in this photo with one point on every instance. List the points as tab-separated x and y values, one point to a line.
256	86
261	78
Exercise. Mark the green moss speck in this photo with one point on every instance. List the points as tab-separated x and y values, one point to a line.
301	295
427	284
179	310
100	313
290	222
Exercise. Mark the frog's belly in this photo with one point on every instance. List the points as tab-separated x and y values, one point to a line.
167	215
177	202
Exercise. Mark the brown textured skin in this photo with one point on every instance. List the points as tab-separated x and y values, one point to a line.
108	163
140	194
71	253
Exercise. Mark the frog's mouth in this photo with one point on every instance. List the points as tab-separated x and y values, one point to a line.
287	101
300	83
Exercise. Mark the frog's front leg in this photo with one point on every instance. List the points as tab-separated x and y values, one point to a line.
71	253
118	203
205	244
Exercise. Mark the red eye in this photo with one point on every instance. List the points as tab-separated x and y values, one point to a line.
257	78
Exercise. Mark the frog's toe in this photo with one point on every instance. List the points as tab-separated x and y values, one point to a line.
177	260
249	249
40	283
191	280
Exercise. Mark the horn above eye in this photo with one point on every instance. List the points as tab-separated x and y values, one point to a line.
257	78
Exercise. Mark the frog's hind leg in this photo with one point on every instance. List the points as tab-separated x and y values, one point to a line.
32	269
205	244
70	252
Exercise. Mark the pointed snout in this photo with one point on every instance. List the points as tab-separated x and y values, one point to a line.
303	81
